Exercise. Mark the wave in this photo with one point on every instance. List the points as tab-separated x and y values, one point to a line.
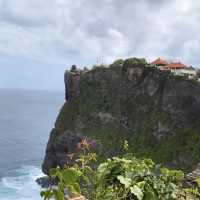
21	184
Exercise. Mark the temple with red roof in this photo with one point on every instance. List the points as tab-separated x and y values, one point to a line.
175	65
177	68
159	62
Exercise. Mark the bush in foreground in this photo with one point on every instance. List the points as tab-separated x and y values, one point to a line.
118	178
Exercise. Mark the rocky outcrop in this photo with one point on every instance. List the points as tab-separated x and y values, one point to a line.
157	112
191	179
71	80
46	182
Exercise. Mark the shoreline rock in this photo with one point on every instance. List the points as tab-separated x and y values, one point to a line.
46	182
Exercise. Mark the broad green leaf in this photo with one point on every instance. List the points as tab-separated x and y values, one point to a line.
125	181
58	195
71	175
149	195
197	181
137	192
53	171
141	184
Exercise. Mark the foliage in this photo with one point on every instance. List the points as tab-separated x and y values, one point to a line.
99	66
73	68
118	62
85	69
138	179
136	62
68	178
71	177
118	178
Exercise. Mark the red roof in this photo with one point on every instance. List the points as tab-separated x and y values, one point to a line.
177	65
159	61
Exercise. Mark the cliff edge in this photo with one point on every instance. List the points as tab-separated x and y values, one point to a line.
157	112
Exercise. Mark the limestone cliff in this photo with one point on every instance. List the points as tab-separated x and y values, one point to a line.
157	112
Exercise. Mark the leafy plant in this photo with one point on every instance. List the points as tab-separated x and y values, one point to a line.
118	178
138	179
73	180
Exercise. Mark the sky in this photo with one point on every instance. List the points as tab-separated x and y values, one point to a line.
40	39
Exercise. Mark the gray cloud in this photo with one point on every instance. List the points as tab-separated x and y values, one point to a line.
62	30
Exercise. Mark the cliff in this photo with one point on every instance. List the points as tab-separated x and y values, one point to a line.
157	112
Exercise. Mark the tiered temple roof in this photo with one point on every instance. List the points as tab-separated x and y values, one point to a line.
177	65
168	65
159	62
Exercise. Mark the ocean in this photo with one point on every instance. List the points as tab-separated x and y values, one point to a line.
26	118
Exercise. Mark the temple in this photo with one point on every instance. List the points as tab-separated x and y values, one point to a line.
176	68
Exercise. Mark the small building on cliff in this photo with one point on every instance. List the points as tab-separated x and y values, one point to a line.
160	63
176	68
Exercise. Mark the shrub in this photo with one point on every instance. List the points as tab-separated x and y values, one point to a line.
138	179
100	66
134	62
117	63
118	178
73	68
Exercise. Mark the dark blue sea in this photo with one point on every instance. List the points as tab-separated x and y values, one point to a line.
26	118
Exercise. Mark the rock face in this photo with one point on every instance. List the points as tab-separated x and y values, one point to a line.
46	182
191	178
71	85
158	113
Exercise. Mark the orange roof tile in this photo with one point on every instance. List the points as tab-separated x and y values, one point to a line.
159	61
177	65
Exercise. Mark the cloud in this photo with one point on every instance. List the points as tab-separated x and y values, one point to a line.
28	13
60	31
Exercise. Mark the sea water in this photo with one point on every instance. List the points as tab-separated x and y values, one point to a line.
26	118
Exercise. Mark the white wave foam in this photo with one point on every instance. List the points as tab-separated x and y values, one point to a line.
22	186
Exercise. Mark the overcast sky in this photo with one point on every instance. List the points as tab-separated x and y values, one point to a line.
39	39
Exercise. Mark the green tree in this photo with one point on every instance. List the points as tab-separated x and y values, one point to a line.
134	62
73	68
118	62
